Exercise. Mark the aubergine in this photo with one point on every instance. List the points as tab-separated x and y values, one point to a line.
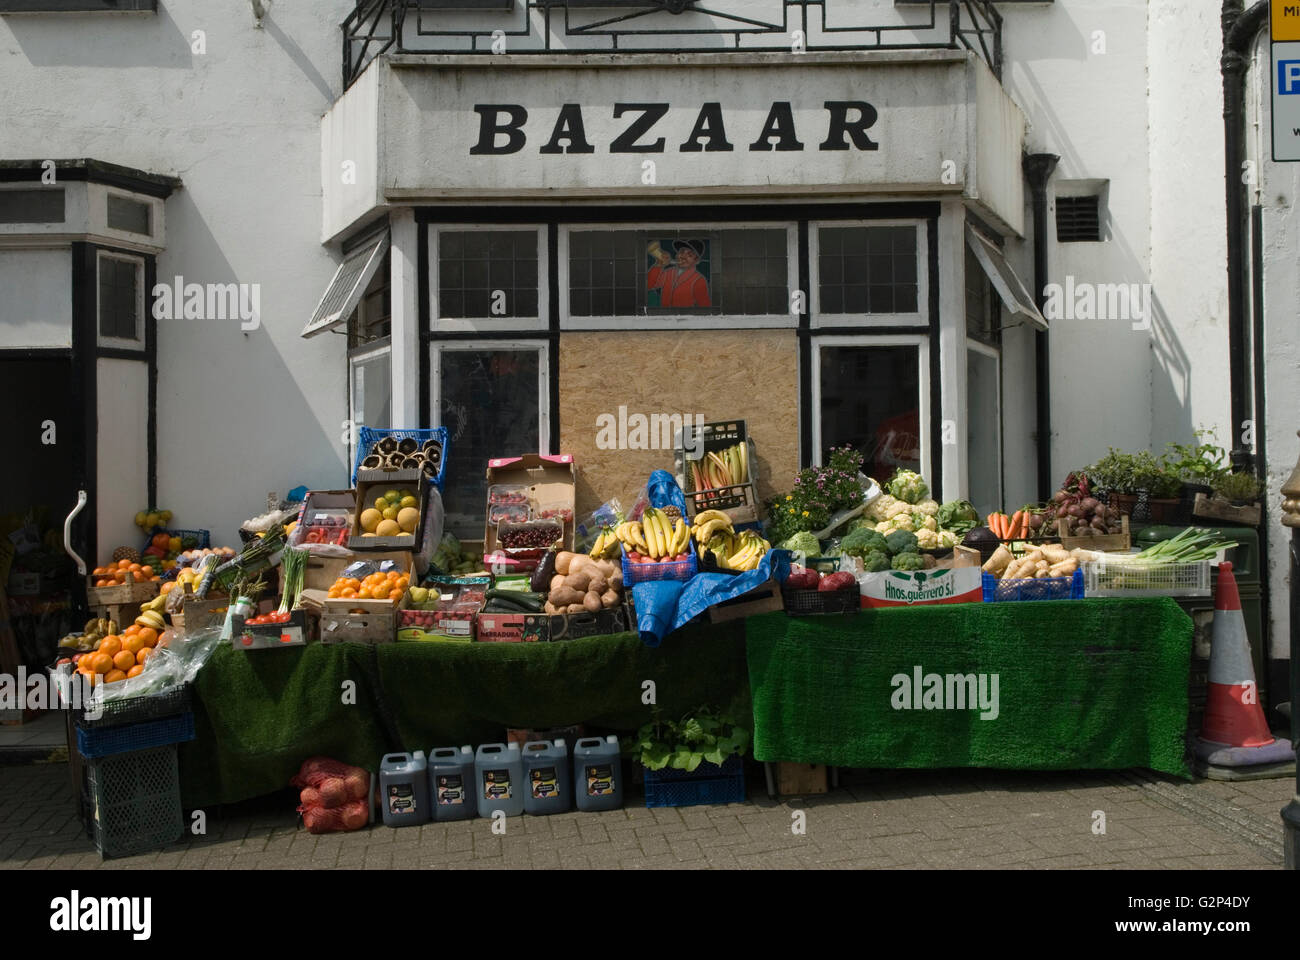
540	582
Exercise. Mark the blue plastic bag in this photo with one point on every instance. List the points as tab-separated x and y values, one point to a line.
663	606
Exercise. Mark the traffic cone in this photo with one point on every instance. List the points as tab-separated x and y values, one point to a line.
1234	732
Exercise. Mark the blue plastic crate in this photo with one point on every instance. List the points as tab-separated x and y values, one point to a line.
706	784
1047	588
203	538
109	741
369	436
672	570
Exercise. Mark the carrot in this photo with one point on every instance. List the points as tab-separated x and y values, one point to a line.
1016	522
988	522
997	527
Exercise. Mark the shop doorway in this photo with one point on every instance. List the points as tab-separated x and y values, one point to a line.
45	443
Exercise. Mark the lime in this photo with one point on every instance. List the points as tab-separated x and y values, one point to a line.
408	501
393	496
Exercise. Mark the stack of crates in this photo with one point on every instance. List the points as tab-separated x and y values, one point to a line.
125	771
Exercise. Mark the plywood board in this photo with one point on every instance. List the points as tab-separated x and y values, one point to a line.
747	374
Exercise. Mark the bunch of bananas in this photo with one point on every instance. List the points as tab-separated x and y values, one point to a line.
607	544
655	537
725	468
730	550
151	614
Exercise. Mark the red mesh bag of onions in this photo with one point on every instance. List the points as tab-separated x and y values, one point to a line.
334	796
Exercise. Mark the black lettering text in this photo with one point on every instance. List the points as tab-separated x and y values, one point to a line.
568	126
626	142
780	124
708	126
490	125
841	129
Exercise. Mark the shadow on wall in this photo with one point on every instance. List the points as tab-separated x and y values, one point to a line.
117	42
233	420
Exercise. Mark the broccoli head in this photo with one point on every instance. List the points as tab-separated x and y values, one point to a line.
875	561
860	542
901	541
908	561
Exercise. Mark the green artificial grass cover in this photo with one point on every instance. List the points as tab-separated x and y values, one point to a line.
1085	684
259	714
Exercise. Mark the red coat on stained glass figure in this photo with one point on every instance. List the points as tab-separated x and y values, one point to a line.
680	285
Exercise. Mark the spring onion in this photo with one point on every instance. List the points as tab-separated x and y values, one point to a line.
293	565
1193	545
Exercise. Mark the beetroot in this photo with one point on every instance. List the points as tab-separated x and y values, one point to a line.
803	580
838	581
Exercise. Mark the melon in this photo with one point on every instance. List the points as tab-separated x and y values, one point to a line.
408	518
370	519
388	528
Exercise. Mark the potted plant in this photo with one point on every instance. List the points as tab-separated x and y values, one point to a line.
694	760
1239	489
1162	486
1198	465
1116	476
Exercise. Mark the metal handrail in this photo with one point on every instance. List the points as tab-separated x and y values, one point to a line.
377	27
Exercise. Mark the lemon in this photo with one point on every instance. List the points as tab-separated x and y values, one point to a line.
141	518
393	496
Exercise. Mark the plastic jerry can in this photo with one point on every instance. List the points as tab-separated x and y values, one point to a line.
499	779
451	783
546	772
598	774
404	788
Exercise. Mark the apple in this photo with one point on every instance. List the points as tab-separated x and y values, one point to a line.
681	556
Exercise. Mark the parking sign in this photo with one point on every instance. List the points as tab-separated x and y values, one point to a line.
1284	31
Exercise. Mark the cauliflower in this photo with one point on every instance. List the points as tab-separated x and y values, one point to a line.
901	541
909	486
927	539
908	561
879	507
875	562
897	509
885	527
921	522
903	522
929	507
947	539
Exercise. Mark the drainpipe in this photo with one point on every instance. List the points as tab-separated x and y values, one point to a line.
1038	169
1239	32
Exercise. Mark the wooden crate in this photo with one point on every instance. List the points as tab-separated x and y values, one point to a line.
1111	543
764	599
133	591
372	628
1219	509
801	779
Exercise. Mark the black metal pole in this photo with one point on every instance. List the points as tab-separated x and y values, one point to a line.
1038	169
1291	812
1239	31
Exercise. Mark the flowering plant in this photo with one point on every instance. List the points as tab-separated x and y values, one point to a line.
818	493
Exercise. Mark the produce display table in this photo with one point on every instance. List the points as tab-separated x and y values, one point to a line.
259	714
1085	684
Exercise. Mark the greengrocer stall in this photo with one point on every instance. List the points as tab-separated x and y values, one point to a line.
849	622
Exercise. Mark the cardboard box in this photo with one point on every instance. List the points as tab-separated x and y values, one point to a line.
371	483
513	627
321	573
766	598
551	481
318	502
576	626
295	632
902	588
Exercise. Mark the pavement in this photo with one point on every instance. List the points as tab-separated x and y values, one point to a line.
875	819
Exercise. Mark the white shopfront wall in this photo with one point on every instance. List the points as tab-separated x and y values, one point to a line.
557	166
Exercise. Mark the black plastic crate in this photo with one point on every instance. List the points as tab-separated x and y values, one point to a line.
132	802
706	784
107	741
804	603
139	709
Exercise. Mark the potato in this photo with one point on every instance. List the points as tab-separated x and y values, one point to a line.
592	602
551	608
562	561
598	585
616	580
581	562
609	598
575	608
566	596
557	581
579	580
609	568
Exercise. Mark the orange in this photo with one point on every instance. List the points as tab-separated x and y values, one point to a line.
98	572
349	593
114	676
109	646
146	571
334	593
135	644
135	568
144	654
365	593
164	642
155	579
124	564
168	587
132	630
103	583
135	671
148	637
393	574
124	661
101	663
